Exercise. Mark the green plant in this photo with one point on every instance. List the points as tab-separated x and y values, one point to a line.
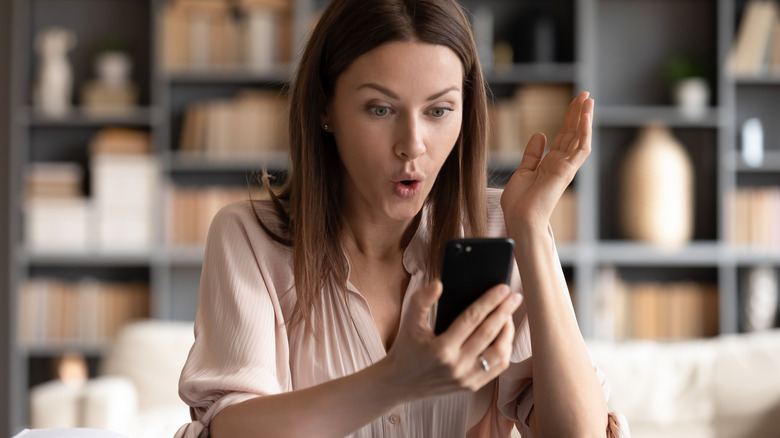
682	66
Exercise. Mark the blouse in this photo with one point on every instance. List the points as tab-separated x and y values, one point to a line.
244	347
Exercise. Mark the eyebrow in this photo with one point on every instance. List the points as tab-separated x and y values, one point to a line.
393	95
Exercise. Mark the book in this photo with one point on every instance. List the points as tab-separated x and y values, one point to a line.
750	52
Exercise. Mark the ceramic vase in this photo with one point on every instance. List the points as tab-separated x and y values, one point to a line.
54	87
692	96
759	298
656	189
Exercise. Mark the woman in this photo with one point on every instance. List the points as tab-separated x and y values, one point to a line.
316	307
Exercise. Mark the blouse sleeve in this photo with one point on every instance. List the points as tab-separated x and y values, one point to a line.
515	385
240	349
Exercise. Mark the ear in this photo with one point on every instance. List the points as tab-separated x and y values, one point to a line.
324	119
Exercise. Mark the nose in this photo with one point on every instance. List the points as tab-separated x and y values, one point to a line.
410	142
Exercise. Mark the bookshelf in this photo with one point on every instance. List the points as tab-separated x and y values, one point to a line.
588	45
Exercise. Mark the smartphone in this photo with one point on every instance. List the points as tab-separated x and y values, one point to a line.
470	268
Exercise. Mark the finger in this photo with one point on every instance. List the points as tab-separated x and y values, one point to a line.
498	354
534	151
570	123
584	131
489	330
422	303
574	111
467	322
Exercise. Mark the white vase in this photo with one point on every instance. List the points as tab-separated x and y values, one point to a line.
759	298
54	87
113	68
656	189
692	96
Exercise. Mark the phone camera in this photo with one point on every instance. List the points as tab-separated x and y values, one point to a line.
458	248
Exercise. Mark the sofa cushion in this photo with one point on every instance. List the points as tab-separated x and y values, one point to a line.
152	354
659	383
747	385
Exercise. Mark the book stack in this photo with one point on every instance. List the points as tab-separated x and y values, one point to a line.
123	184
654	310
88	312
191	210
756	49
533	108
253	122
753	217
57	214
221	34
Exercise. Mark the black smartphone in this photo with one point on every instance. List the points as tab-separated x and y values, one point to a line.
470	268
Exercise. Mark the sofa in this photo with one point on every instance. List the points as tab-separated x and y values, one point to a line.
136	392
724	387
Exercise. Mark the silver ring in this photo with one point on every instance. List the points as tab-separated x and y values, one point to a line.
484	364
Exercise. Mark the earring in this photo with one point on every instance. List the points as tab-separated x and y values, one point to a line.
326	127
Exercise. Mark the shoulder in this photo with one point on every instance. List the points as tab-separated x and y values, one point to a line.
495	216
242	218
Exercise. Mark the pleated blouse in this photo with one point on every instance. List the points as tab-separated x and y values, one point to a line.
244	349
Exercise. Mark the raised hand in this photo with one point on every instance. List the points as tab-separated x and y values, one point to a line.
538	183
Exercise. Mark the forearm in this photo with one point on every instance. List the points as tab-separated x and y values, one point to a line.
333	409
568	399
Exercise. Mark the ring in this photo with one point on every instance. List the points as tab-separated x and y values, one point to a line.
484	364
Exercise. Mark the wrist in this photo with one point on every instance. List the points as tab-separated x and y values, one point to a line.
392	383
526	233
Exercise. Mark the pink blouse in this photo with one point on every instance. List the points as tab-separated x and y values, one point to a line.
243	348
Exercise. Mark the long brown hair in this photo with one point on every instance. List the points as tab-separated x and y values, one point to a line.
309	202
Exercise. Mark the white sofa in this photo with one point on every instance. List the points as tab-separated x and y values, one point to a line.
712	388
136	393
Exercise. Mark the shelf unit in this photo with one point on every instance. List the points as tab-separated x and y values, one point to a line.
597	47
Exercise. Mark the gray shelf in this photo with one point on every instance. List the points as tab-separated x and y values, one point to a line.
539	72
229	76
86	259
630	116
78	118
185	162
636	254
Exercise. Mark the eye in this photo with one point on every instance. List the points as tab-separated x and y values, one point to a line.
440	111
379	111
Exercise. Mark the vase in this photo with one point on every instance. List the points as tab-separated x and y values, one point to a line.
656	189
692	95
759	298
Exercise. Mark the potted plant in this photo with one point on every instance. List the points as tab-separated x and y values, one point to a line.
687	76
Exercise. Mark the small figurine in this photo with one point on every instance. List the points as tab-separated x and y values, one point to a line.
54	87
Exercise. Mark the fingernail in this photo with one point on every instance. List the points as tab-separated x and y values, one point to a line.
515	298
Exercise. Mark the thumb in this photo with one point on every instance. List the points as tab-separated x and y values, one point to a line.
422	303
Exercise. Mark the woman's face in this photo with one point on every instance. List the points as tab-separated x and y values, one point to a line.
396	114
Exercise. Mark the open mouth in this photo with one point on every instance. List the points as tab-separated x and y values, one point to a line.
407	182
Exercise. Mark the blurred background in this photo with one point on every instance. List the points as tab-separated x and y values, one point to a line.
126	124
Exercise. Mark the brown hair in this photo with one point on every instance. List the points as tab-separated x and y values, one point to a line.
308	204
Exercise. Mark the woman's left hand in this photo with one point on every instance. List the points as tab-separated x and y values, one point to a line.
538	183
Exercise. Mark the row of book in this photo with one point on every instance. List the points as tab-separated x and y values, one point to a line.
756	49
87	312
252	122
191	210
221	34
532	108
754	217
654	310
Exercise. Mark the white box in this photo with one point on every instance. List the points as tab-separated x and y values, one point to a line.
58	225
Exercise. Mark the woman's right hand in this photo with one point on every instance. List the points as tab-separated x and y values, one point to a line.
425	364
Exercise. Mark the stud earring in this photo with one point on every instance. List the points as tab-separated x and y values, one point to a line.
326	127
